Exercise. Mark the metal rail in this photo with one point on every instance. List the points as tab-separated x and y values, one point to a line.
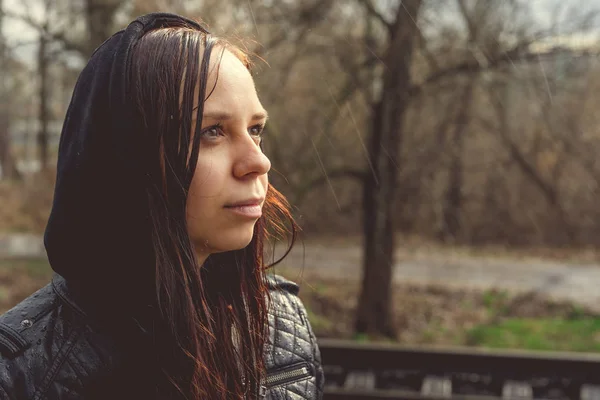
370	371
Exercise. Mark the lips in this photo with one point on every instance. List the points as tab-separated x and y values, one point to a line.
246	203
250	208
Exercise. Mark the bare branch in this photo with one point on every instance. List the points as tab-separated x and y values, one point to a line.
431	60
41	28
471	27
377	15
517	155
334	174
519	52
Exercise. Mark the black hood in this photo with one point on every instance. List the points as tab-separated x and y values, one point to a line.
98	233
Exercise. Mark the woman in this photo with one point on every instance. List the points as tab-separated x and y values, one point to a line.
161	208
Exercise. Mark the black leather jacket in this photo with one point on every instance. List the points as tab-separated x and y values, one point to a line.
51	351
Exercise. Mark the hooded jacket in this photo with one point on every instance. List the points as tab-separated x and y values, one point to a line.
80	337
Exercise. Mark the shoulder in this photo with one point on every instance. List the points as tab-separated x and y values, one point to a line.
288	317
284	296
48	349
22	324
278	282
292	344
20	330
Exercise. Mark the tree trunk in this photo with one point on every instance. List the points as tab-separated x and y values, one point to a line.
8	168
452	208
42	138
100	15
7	162
374	314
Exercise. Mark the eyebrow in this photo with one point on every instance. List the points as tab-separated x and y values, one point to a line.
224	116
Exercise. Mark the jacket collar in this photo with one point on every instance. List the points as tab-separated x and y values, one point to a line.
64	292
75	299
121	325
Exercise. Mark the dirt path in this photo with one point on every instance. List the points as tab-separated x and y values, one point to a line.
575	282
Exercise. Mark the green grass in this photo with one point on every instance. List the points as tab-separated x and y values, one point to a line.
37	268
361	337
579	334
318	322
495	300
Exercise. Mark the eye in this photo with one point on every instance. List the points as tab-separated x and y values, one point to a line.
212	132
257	130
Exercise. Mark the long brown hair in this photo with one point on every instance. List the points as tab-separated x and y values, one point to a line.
215	315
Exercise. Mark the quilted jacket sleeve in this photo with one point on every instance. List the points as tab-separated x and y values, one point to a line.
320	376
292	344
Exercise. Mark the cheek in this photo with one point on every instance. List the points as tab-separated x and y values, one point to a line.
206	187
211	173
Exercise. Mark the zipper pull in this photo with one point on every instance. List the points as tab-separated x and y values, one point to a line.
262	392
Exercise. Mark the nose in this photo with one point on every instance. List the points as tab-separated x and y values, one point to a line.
250	160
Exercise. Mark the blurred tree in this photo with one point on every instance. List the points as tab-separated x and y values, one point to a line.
8	168
494	35
374	314
100	16
43	62
56	25
453	198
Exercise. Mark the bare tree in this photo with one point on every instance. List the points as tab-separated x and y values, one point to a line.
100	16
7	163
374	308
453	201
44	113
497	35
55	40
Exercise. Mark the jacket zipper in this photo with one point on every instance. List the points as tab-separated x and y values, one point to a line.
289	375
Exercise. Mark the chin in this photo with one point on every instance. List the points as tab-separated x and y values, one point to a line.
232	243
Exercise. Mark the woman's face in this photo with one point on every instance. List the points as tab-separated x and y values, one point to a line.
229	186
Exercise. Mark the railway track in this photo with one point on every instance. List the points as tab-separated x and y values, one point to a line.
367	371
